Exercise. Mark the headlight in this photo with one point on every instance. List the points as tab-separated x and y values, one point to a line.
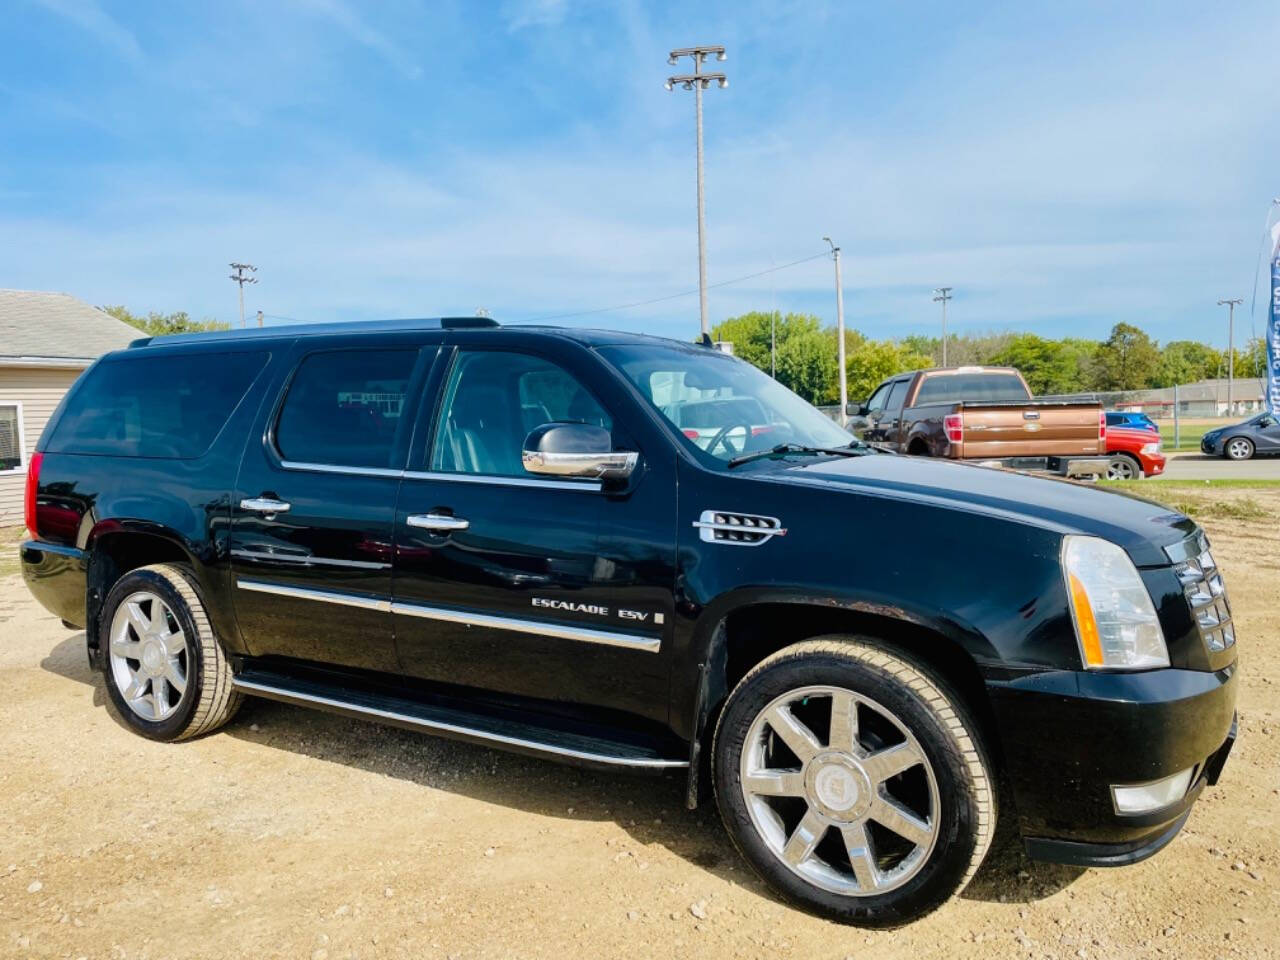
1115	621
1151	449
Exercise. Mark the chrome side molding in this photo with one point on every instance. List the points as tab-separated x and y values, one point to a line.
323	596
540	628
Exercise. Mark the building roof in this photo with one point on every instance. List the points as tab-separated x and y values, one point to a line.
56	329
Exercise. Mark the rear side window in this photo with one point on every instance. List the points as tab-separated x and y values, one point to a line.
346	407
158	407
973	387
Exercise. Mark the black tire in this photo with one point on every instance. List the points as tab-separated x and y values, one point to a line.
935	716
1238	448
208	700
1124	466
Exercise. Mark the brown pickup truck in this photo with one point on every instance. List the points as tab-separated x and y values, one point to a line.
985	415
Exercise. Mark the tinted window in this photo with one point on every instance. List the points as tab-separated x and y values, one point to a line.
878	398
166	407
1115	419
973	387
346	407
738	408
493	400
896	395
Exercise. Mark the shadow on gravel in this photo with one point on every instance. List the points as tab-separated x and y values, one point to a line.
649	808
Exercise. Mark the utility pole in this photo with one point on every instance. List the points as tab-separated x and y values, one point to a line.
242	278
1231	348
943	295
697	82
844	378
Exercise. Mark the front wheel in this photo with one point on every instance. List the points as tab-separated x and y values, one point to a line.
854	782
166	675
1124	467
1238	448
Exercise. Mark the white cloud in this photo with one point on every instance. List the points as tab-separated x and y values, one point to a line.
89	16
363	33
520	14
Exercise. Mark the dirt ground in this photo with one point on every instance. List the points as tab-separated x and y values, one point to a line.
293	833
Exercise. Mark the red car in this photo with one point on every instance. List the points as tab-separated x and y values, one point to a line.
1134	453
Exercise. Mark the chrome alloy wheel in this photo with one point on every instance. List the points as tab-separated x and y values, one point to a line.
148	656
1121	468
1239	449
854	813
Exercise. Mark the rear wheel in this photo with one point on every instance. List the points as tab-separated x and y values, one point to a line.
167	677
1124	467
853	782
1238	448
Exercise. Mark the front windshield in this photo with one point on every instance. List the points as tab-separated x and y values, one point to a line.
722	406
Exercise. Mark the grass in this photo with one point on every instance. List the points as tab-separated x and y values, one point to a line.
1192	498
10	537
1188	435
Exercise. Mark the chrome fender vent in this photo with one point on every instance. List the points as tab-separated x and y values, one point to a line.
738	529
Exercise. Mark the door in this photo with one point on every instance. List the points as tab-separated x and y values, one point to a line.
1268	434
313	512
505	581
882	418
875	410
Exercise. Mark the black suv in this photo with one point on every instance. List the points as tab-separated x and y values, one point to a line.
504	535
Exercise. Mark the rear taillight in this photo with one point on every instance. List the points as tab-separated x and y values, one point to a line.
691	434
33	482
1102	426
953	428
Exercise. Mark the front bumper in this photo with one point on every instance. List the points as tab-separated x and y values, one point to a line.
1210	447
1068	737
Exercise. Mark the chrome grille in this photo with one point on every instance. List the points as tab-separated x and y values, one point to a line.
1207	596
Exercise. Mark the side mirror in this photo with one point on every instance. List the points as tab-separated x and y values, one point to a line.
856	410
576	450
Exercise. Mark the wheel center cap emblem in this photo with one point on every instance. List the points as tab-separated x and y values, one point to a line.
836	787
152	657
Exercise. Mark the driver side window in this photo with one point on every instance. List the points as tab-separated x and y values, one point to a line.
492	401
878	398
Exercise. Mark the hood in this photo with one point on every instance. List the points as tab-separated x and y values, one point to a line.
1142	527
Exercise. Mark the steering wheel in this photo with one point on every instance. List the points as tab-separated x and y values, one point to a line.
720	438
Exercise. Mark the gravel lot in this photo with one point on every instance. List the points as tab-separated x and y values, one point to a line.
298	834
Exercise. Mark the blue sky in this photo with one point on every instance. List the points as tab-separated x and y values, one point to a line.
1063	167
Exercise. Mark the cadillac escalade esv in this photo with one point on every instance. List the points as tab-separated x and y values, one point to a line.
634	553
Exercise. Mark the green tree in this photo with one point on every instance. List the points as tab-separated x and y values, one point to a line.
806	355
1048	366
164	324
1186	361
1128	359
875	360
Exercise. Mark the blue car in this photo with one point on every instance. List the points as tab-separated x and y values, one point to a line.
1134	421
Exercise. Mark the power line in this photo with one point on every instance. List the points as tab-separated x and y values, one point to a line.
676	296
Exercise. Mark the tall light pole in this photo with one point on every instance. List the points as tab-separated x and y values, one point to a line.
1231	347
242	278
943	295
844	379
697	82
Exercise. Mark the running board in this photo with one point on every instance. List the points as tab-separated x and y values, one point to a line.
449	721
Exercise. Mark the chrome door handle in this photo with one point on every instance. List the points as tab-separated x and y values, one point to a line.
264	505
437	521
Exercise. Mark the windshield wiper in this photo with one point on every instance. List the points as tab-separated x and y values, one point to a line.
783	449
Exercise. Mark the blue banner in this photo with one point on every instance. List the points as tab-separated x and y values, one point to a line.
1273	329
